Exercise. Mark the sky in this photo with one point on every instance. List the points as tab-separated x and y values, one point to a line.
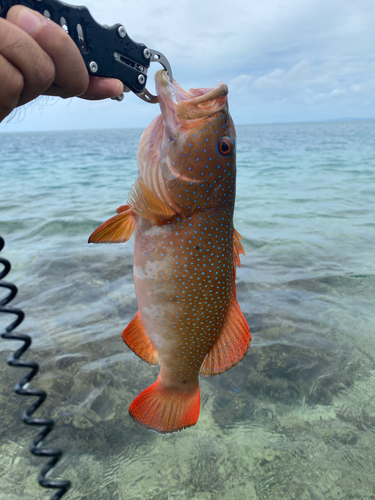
283	61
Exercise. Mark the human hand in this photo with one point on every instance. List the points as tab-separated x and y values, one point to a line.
38	57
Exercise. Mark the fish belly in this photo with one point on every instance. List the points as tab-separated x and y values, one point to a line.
183	275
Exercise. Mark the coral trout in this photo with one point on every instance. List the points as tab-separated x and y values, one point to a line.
185	252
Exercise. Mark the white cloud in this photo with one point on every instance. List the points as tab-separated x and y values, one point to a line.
337	91
282	78
318	97
357	89
275	51
240	83
277	78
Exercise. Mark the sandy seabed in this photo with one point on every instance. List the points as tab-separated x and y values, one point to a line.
294	420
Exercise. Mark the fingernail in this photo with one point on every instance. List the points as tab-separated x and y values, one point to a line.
28	21
119	89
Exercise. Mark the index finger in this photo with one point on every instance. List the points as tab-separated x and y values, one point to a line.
71	76
23	60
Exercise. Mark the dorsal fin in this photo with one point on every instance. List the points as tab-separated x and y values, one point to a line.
237	248
231	346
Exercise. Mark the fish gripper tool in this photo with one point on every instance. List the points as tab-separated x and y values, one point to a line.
108	51
22	389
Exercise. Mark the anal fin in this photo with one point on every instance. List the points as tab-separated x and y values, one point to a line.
136	338
231	346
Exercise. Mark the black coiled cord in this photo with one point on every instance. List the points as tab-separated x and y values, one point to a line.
22	388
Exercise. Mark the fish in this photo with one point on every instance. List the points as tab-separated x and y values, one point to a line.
185	252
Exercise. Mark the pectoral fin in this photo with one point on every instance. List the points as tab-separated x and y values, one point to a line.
117	229
148	204
231	346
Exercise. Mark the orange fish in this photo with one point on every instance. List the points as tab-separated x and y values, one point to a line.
185	252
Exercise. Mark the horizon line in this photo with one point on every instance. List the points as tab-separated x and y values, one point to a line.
328	120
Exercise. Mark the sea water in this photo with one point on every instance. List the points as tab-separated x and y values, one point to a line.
295	419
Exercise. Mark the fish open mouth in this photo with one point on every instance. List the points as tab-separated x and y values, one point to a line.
178	105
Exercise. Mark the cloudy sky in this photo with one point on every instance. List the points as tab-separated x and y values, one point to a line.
283	60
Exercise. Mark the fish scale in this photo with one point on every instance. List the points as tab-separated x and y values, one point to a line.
185	252
191	285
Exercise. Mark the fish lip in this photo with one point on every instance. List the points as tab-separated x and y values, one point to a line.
178	104
167	103
165	89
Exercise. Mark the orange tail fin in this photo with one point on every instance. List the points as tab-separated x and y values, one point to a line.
165	410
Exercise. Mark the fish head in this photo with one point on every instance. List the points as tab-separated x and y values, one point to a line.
196	142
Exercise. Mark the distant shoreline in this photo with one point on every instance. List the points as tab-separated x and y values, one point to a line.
330	120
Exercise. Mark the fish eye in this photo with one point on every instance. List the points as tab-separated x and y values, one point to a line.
225	146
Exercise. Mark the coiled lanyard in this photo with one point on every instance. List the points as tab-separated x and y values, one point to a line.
22	387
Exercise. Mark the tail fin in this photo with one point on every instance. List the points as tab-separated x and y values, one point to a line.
165	410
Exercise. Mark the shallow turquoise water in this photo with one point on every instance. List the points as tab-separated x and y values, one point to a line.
296	419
